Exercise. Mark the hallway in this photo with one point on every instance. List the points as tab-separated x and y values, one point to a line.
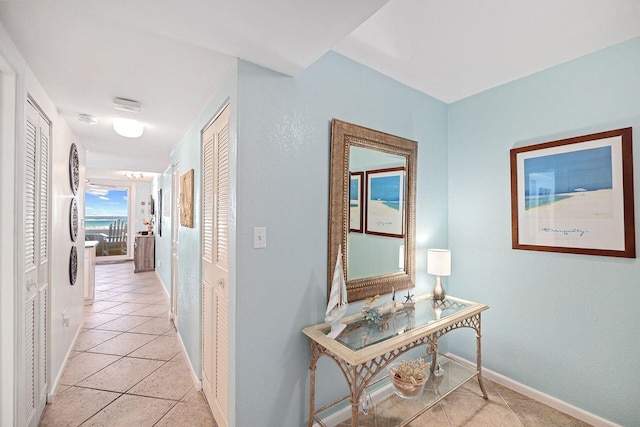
127	368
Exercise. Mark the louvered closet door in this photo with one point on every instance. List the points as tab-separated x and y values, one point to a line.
215	271
33	360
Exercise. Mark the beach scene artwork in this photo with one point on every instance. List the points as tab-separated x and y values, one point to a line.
385	202
571	185
572	196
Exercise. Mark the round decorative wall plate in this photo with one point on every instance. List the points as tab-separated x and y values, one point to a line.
73	265
74	169
73	219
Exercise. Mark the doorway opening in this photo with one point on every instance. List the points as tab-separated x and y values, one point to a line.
107	220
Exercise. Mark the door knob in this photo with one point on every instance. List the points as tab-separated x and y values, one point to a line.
221	282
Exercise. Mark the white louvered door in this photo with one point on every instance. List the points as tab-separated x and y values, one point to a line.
36	267
215	270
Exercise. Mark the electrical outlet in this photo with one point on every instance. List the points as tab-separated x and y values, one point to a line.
66	319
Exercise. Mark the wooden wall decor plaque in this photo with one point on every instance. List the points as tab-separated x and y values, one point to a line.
186	199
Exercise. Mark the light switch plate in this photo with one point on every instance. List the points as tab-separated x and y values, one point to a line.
259	237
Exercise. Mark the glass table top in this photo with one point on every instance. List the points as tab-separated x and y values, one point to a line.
363	333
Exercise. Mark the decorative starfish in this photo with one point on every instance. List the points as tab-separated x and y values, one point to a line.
409	297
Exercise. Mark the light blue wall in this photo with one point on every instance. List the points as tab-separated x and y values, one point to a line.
566	325
283	184
189	250
163	243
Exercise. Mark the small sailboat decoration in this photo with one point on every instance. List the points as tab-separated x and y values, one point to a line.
338	304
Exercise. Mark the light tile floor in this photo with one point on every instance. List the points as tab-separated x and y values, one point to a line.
127	369
505	408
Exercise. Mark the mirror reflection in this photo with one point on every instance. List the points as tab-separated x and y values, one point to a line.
376	239
372	210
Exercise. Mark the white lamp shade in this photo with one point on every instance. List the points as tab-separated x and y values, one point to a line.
439	262
128	128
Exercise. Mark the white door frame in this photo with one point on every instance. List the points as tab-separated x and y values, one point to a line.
175	224
8	227
131	216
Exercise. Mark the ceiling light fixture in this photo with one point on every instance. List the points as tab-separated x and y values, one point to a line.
128	128
87	118
133	175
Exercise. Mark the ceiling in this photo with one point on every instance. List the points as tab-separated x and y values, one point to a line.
170	55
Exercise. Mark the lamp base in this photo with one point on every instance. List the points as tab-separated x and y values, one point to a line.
438	291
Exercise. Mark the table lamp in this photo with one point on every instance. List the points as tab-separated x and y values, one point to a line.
439	264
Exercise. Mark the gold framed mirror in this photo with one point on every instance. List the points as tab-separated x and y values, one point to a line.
372	209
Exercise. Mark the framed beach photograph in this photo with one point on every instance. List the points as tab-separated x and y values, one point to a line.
385	201
356	211
575	195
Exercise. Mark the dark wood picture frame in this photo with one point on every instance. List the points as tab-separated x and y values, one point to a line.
356	211
380	217
575	195
159	220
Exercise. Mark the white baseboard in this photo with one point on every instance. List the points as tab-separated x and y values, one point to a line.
539	396
166	291
345	413
56	382
551	401
197	382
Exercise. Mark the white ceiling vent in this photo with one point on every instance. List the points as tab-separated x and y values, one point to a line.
127	105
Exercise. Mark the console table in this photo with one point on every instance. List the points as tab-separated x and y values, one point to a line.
365	349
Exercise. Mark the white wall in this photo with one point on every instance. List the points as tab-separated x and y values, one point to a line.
566	325
64	297
188	153
8	87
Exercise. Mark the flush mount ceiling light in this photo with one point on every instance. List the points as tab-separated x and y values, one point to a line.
128	128
87	118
